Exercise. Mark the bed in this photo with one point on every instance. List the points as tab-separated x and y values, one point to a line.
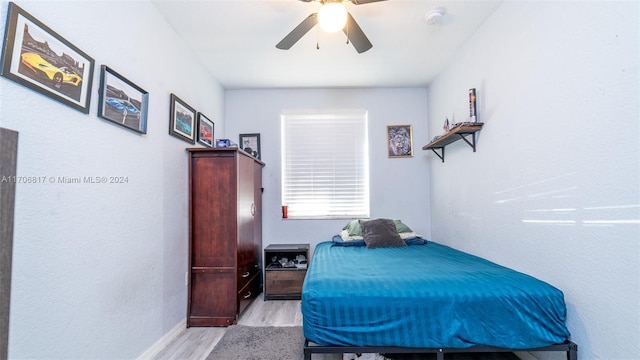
425	297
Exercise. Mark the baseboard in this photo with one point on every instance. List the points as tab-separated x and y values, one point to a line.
162	343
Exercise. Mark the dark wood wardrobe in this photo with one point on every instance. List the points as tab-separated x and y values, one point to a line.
225	234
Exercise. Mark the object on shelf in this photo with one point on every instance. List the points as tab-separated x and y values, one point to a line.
472	105
457	125
286	263
274	263
225	143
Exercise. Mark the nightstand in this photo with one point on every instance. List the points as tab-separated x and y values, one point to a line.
285	269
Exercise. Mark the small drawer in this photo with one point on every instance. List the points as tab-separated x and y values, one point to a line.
284	282
249	292
246	273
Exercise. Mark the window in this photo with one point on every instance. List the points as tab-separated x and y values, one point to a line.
325	164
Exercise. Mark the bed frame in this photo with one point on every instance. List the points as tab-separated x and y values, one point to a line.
568	346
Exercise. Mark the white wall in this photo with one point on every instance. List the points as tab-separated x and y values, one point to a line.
99	269
399	187
553	189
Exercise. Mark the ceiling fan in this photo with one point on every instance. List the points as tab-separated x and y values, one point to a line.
354	33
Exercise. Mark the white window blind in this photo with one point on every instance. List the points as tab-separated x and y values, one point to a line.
325	164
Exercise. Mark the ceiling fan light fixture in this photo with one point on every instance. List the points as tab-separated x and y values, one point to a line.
332	17
434	17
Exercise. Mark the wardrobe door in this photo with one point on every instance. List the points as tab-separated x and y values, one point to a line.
213	206
257	218
246	210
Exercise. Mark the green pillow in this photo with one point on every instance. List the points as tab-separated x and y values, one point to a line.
402	228
354	228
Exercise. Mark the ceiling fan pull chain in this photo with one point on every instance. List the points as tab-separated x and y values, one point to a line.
317	38
347	33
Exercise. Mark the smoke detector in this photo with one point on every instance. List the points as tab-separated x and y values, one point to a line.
433	17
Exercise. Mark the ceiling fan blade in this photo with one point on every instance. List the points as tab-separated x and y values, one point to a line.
360	2
356	35
297	33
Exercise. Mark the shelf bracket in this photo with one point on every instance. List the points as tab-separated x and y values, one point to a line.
440	156
462	130
472	143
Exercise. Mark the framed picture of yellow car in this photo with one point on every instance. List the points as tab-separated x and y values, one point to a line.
37	57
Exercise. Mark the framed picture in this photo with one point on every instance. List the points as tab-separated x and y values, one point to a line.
37	57
250	143
122	101
399	141
205	130
183	120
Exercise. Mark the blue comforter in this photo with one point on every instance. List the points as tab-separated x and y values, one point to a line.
426	296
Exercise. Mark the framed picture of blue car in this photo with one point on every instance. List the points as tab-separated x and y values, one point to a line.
122	102
183	120
35	56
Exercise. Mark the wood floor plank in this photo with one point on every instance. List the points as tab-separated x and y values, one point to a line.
195	343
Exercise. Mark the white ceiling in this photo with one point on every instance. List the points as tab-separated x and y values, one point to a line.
235	40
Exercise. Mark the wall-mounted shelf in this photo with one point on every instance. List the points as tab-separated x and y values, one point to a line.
453	135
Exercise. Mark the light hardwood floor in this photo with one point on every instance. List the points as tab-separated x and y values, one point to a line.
196	343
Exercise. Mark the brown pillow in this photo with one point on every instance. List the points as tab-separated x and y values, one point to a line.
380	233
